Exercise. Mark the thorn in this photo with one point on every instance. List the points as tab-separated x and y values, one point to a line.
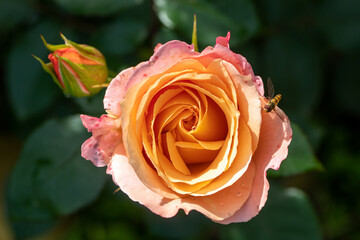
116	190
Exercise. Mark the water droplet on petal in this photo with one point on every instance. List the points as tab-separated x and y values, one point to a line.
239	194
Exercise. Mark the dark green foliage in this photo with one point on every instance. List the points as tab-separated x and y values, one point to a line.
50	178
287	215
29	87
300	158
215	18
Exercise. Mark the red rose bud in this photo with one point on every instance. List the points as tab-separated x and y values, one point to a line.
78	69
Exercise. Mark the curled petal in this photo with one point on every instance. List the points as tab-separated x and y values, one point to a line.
218	206
116	91
222	51
275	138
165	56
90	151
125	177
106	138
224	41
157	47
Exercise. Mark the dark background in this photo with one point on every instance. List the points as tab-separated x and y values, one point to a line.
310	49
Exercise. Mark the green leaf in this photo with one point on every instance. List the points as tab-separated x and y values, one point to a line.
340	23
214	18
93	105
286	215
294	65
8	19
31	90
301	157
285	13
346	95
195	224
96	7
50	178
164	35
121	36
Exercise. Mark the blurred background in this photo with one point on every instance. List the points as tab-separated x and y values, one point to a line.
310	49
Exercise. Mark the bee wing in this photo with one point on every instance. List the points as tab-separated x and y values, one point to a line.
281	114
270	88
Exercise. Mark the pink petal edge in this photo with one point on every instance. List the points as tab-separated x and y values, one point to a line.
116	91
106	138
222	50
224	41
164	57
275	137
90	151
211	206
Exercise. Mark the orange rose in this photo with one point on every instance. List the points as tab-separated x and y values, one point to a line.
186	130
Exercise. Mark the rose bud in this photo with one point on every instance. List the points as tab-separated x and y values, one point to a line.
187	130
78	69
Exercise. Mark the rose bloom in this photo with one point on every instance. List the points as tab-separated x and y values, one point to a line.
186	130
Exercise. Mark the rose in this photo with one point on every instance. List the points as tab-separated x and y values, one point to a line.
186	130
76	68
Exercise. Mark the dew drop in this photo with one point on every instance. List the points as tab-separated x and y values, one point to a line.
239	194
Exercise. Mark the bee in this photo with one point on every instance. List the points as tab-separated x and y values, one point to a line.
272	102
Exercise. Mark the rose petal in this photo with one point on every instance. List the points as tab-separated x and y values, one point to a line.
217	166
239	62
133	140
174	155
116	91
225	203
165	56
218	206
224	41
94	123
238	167
249	101
275	138
106	138
157	47
125	177
90	151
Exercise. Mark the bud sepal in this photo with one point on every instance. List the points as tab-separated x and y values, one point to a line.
76	68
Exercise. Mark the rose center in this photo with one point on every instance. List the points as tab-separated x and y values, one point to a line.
188	128
190	122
